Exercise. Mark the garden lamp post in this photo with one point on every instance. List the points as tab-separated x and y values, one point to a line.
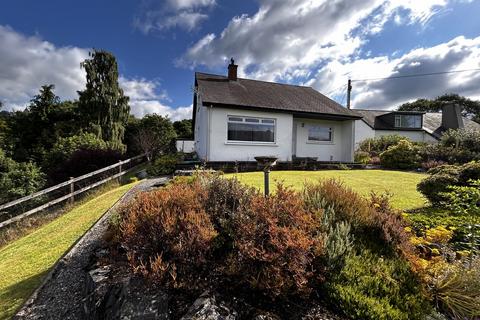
266	162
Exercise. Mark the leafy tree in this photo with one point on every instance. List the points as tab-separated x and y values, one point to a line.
183	128
470	108
103	104
155	135
63	149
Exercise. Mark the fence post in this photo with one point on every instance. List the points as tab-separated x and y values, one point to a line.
120	170
72	189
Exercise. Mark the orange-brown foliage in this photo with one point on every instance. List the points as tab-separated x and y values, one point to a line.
167	232
274	239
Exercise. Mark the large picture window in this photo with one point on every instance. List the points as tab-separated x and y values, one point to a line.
318	133
247	129
413	121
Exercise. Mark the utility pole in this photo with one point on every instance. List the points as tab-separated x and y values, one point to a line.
349	91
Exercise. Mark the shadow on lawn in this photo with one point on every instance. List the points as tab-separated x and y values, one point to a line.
13	297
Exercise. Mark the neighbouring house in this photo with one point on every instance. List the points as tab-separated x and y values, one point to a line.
417	126
237	119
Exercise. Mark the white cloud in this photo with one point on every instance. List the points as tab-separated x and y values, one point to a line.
147	98
285	39
183	14
27	63
457	54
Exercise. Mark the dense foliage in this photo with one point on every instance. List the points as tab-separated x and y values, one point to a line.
163	165
18	179
455	146
183	128
441	178
206	231
375	146
403	155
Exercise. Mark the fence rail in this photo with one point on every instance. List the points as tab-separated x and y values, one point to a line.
72	192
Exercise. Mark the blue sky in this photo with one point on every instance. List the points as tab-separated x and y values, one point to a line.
159	44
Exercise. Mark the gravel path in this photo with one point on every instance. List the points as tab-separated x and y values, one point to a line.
61	294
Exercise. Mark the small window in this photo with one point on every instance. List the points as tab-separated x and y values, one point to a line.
243	129
317	133
412	121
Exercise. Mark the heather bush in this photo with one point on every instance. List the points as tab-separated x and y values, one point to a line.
168	235
403	155
274	241
371	286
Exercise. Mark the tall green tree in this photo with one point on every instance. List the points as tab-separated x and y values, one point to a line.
155	136
470	108
103	103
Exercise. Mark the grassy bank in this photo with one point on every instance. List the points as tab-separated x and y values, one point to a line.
24	262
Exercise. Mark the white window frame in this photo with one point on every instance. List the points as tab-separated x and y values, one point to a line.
398	121
244	119
332	133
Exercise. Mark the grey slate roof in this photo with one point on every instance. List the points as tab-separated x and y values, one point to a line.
432	121
218	90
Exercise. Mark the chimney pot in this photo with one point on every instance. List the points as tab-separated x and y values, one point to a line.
452	116
232	70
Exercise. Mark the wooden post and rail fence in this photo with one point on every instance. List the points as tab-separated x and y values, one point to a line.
70	196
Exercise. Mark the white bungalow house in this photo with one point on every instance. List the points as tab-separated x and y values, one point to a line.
239	119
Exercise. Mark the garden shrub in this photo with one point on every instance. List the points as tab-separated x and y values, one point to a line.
377	145
275	240
18	179
225	198
371	286
362	157
437	184
403	155
163	165
456	147
168	235
454	286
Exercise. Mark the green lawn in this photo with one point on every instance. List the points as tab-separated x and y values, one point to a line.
24	262
401	185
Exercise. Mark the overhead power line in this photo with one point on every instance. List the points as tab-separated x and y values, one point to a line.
416	75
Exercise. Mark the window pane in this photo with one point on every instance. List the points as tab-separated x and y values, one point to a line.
408	121
237	119
251	132
268	121
252	120
319	133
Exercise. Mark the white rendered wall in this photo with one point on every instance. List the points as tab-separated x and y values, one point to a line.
362	131
201	126
222	150
340	149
